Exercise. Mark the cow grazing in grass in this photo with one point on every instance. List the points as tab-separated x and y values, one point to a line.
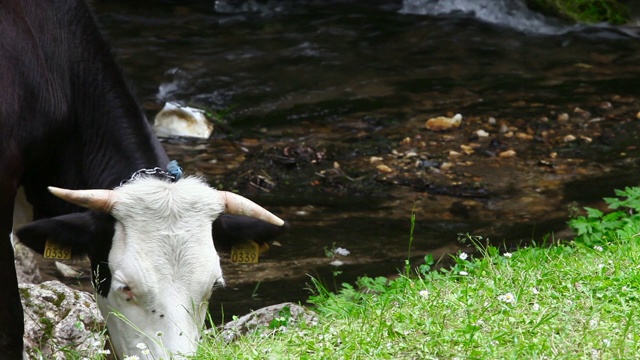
68	120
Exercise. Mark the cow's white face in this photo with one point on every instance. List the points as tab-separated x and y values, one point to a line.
153	256
163	267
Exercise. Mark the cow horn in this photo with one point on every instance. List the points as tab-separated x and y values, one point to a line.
236	204
99	200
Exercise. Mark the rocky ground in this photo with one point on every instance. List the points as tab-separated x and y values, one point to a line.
470	168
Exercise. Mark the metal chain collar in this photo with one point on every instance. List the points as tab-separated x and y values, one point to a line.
155	171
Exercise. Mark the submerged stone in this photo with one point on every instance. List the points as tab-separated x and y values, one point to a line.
177	120
441	123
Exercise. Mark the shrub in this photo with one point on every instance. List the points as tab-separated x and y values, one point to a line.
586	11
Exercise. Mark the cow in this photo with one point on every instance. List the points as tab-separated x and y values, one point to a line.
74	138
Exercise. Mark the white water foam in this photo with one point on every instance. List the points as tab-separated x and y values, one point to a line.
513	14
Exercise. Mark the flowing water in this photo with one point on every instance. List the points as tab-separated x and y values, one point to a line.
311	90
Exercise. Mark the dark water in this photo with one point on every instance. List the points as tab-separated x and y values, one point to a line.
320	73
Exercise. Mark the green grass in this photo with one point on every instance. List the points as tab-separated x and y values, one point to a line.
585	11
568	300
561	302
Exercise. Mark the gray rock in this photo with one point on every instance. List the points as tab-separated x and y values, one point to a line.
276	317
26	265
178	120
60	321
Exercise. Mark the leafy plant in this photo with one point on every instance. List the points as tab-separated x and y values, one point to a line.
598	228
283	318
428	264
587	11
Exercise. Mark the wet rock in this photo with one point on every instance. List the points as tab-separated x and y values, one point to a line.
58	318
622	100
426	164
482	134
177	120
586	139
524	136
384	168
545	163
563	117
466	149
605	105
441	123
507	154
26	265
276	317
583	114
446	166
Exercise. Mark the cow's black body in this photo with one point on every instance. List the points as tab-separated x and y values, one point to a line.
67	119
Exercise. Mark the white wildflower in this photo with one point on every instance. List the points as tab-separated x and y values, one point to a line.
535	290
341	251
606	342
424	293
509	298
336	263
593	323
535	307
145	352
598	248
104	352
600	266
507	255
463	273
141	346
463	256
132	357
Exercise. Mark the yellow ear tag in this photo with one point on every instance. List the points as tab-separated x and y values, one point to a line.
54	251
245	253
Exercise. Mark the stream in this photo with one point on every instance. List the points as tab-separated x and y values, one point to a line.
315	96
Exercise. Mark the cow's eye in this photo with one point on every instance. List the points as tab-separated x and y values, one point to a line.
127	292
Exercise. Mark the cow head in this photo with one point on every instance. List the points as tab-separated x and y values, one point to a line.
153	257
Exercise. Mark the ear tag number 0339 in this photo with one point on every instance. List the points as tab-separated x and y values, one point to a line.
245	253
54	251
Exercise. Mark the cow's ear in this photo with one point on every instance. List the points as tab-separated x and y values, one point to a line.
75	231
233	229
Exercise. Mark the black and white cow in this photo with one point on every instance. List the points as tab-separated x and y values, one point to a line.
67	119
